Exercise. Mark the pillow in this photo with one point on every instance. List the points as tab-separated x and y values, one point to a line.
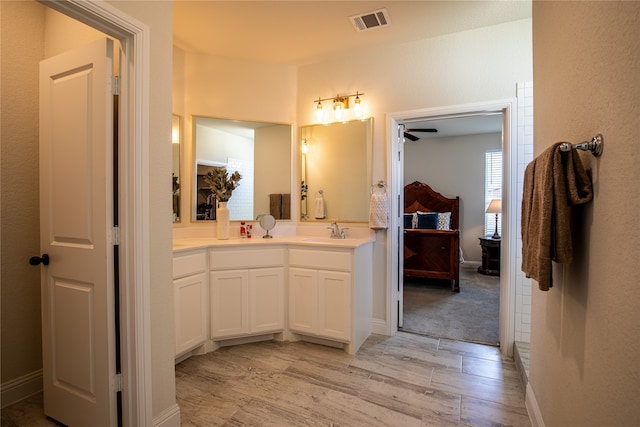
427	220
444	221
410	220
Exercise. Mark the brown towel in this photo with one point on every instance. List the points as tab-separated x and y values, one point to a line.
286	206
275	205
553	182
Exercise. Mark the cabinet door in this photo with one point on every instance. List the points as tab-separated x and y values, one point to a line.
229	303
266	299
303	294
190	312
334	304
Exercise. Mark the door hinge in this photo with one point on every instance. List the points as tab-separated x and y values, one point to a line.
115	235
117	383
115	87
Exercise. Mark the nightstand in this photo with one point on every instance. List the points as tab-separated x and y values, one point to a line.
490	256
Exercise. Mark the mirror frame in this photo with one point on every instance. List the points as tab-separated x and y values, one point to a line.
177	128
302	173
193	167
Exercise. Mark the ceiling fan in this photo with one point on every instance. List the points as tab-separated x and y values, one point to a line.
408	133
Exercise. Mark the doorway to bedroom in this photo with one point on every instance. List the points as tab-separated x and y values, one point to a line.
459	156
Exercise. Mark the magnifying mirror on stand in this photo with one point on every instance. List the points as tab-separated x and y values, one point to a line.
267	222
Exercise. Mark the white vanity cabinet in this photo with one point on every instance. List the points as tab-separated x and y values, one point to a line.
246	291
190	299
330	293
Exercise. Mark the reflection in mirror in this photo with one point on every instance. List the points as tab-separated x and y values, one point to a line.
335	171
260	152
176	139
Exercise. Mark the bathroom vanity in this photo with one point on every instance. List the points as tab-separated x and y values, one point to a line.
286	288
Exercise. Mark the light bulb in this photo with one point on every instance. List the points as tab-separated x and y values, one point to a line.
319	111
175	135
357	108
337	109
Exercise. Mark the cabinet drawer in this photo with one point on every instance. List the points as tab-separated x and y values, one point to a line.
184	265
243	258
331	260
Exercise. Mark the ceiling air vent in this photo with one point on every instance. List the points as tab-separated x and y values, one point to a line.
369	20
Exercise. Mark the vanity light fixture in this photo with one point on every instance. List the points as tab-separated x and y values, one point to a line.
340	104
305	146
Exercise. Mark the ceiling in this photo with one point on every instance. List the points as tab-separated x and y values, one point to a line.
302	32
305	32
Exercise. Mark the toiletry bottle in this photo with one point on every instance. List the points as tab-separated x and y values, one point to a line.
249	230
243	229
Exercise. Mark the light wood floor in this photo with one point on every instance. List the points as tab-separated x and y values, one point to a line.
406	380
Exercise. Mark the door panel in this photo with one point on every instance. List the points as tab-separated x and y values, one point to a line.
303	296
229	303
334	304
76	199
266	299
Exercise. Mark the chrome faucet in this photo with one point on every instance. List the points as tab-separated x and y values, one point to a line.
336	232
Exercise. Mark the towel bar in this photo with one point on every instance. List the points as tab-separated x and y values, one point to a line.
596	145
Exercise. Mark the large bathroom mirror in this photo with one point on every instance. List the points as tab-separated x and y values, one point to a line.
260	152
176	179
335	171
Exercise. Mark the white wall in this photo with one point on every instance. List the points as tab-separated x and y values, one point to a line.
465	67
231	89
24	24
455	166
584	340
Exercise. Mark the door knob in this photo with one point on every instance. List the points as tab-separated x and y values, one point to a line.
35	260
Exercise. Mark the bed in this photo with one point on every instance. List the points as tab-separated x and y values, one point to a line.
431	234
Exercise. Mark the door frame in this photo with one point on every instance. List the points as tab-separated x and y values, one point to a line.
395	164
133	161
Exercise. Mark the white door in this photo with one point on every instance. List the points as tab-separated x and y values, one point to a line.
76	205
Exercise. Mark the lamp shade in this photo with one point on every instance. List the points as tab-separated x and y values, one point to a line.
495	206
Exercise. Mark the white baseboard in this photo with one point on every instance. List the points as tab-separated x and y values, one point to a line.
532	408
169	418
20	388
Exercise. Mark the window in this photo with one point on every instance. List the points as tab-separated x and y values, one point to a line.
492	189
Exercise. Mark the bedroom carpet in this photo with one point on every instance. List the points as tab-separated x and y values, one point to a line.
430	308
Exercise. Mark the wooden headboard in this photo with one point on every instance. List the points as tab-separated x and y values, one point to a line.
421	197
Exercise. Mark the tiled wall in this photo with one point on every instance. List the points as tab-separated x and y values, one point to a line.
525	155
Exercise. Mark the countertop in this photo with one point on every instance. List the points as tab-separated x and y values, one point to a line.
186	244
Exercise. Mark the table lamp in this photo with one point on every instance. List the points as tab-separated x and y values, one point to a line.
495	207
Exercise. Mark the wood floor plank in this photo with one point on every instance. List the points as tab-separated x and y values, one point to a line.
506	392
415	401
478	412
